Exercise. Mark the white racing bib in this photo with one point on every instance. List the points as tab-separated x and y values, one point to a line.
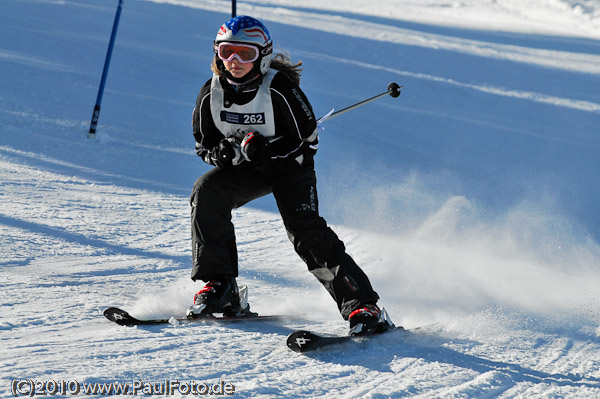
237	120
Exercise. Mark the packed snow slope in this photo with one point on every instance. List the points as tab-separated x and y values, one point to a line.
471	200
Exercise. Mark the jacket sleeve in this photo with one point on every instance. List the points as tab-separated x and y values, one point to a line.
294	120
206	134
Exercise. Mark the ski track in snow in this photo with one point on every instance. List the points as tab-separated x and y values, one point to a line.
505	307
516	94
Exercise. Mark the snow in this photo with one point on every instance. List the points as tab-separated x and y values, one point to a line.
470	200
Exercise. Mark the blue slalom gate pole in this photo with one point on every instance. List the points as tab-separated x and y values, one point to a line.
113	35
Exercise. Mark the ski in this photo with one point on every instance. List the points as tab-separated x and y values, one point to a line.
123	318
304	341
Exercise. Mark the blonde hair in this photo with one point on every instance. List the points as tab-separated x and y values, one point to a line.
280	62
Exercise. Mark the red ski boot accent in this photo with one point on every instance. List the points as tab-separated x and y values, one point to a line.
366	320
367	311
209	288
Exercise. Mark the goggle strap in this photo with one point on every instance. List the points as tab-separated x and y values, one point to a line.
268	49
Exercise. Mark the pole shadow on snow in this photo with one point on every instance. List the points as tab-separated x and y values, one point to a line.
81	239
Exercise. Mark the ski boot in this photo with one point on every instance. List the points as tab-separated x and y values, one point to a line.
369	319
221	296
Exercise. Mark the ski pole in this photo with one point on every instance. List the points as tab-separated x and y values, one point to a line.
96	113
393	90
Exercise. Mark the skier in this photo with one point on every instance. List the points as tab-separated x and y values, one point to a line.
256	126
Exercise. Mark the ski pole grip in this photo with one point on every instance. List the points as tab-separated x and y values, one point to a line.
394	89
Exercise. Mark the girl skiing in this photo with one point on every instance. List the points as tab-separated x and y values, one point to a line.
256	126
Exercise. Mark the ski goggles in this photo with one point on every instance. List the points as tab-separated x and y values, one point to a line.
245	53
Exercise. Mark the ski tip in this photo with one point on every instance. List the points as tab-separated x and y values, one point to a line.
118	316
301	341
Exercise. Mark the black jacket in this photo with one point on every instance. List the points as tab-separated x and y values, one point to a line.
295	121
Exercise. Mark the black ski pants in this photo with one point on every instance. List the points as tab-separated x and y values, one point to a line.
214	249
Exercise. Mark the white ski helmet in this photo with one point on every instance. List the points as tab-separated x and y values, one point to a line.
245	29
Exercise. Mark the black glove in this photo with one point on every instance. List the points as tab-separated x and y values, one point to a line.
201	151
226	153
254	148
